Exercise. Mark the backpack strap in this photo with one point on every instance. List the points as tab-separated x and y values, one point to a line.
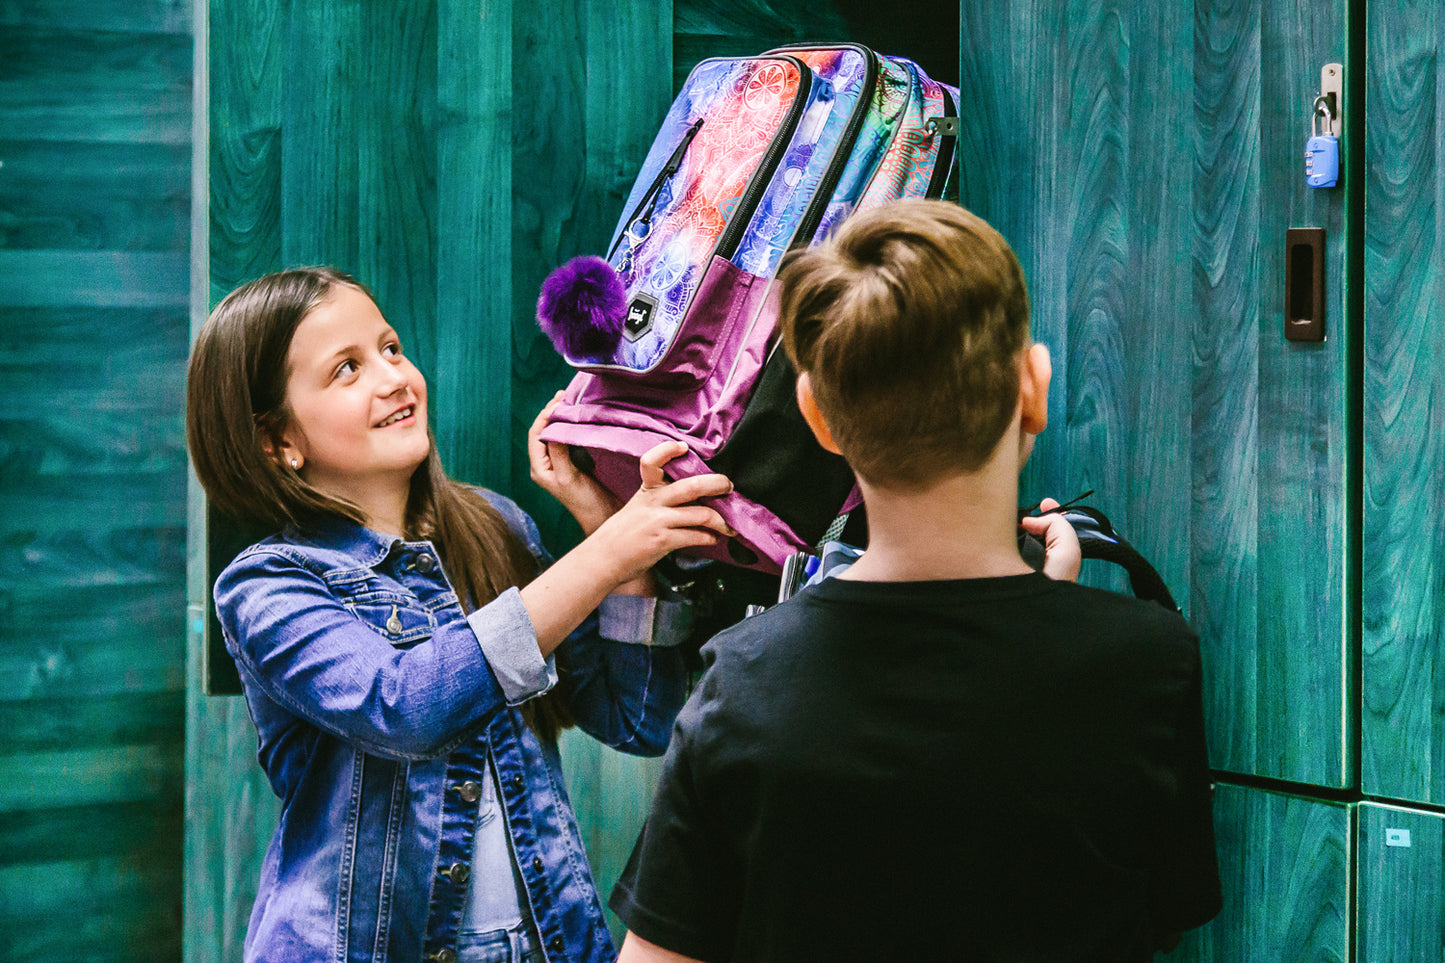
1097	539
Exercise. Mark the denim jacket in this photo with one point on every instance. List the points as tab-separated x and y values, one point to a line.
378	703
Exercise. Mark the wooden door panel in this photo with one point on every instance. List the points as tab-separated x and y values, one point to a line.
1271	434
1401	912
1403	540
1285	865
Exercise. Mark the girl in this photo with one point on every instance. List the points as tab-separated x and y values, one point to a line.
408	650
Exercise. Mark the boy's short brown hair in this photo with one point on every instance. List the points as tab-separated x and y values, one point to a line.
909	322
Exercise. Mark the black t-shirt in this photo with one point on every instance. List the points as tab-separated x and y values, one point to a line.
1007	769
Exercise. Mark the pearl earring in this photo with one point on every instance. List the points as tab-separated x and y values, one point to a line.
295	464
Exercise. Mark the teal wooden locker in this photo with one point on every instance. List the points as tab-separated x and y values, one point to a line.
1285	865
1075	144
1403	579
1272	445
1400	916
1146	162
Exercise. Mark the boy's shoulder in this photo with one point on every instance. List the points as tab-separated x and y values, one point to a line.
1098	622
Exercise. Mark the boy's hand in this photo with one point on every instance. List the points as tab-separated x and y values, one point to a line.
552	469
1062	555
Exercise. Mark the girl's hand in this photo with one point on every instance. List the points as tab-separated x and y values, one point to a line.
1062	555
552	469
658	519
661	516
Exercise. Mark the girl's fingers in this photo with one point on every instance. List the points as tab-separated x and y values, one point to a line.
649	466
690	489
543	416
560	458
696	516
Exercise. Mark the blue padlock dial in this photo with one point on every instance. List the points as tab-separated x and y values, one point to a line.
1322	161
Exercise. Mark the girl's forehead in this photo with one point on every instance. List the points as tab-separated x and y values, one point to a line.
346	317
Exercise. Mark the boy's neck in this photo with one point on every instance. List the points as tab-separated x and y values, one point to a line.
961	526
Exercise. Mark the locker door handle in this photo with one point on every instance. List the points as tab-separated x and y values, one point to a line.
1304	283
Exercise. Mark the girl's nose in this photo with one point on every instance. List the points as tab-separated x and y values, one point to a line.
392	381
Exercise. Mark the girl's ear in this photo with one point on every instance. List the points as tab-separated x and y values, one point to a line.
278	447
1037	371
808	405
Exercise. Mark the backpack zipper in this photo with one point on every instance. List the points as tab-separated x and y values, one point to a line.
649	200
728	241
813	216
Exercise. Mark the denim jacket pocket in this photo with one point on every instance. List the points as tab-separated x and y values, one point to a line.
396	616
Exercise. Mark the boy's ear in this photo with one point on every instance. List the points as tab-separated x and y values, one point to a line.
808	405
1037	370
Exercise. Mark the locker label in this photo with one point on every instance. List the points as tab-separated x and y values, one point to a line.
1397	837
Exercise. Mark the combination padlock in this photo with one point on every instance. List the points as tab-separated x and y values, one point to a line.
1322	152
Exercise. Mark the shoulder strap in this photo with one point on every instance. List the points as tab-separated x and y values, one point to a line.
1097	539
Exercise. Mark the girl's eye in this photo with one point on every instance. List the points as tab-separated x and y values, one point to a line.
392	350
346	369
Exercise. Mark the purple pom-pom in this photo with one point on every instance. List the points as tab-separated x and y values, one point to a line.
582	308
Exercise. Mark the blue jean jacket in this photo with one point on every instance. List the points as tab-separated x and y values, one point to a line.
377	703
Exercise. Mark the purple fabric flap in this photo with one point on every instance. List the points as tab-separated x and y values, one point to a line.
615	452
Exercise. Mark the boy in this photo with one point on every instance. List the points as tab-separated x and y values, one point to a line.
940	754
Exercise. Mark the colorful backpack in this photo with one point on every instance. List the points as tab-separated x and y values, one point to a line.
674	334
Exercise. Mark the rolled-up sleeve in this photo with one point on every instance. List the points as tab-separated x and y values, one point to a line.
509	644
645	620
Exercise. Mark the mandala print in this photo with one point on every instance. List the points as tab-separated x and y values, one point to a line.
741	104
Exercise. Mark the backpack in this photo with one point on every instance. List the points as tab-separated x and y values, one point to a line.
674	332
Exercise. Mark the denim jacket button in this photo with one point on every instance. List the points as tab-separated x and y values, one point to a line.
470	791
425	562
458	873
537	864
447	955
555	944
515	781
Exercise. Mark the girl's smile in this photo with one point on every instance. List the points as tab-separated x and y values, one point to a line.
357	425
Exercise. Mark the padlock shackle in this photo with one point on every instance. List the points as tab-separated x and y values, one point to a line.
1322	107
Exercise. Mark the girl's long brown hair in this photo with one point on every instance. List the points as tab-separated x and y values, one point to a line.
236	404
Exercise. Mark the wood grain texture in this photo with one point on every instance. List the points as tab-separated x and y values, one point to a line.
1225	485
1401	913
1403	593
95	110
725	28
1122	150
1307	641
86	85
476	177
613	105
449	154
79	196
233	812
100	279
245	83
127	16
120	908
327	62
1270	419
1285	866
1077	115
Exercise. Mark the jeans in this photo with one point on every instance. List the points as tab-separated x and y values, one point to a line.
516	945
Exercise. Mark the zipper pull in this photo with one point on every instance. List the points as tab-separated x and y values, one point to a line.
393	624
641	224
675	161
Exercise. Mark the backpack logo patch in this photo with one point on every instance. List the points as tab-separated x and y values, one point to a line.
639	316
